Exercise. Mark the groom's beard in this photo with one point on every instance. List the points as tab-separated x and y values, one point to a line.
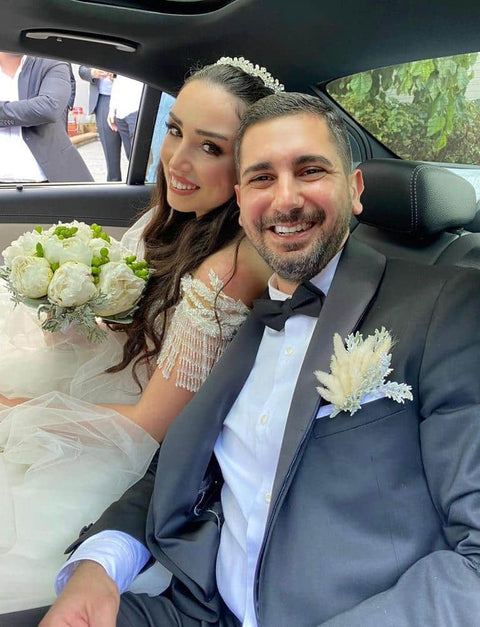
309	261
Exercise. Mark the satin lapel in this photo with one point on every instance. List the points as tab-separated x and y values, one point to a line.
356	281
190	440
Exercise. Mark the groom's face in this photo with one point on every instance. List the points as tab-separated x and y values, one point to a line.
295	197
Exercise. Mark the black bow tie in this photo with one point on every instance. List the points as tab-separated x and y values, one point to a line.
306	299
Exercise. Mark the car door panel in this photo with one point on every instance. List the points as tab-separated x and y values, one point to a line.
111	205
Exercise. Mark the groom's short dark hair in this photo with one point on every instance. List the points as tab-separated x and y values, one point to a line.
283	104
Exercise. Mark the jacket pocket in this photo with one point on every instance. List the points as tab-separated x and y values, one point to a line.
370	412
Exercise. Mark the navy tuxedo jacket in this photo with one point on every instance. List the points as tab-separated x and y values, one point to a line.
375	517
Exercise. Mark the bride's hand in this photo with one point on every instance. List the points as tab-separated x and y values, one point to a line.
11	402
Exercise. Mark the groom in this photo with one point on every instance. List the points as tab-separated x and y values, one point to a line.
267	511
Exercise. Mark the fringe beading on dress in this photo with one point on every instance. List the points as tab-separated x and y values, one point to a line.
200	328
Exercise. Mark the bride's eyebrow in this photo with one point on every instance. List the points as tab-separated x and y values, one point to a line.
175	119
211	134
199	131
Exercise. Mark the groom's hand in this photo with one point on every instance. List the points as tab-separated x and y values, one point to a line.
90	599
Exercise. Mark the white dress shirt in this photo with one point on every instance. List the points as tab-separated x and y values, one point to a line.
104	86
247	449
17	163
125	97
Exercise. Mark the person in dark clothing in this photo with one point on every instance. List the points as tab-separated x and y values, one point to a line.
34	96
99	104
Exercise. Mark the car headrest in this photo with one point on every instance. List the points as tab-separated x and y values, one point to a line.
414	198
474	225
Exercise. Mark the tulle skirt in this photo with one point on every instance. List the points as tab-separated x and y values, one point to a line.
63	459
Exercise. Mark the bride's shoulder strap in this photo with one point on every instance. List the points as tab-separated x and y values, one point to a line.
200	328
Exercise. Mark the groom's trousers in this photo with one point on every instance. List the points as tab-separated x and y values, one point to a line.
140	610
136	610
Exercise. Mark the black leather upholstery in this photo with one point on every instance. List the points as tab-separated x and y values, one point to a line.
415	198
474	225
418	211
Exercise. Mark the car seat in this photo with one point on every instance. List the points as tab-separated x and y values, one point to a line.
418	211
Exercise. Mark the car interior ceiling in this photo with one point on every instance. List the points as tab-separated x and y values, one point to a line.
299	42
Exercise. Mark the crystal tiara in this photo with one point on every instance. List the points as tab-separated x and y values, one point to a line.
253	70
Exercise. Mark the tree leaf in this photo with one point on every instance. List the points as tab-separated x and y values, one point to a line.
435	125
361	84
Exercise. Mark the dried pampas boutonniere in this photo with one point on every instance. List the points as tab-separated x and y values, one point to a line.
359	368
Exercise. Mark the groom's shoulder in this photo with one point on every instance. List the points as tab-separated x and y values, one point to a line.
406	267
405	277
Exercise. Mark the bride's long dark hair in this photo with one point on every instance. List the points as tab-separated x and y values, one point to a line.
177	243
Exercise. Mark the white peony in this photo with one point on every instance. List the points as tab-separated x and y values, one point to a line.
24	245
74	249
121	287
72	285
30	276
116	252
84	231
70	249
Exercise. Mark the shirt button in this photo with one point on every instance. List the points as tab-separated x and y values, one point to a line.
268	498
289	351
264	419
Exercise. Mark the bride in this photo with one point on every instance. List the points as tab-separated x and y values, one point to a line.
64	456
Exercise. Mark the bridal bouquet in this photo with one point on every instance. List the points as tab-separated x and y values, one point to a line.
74	273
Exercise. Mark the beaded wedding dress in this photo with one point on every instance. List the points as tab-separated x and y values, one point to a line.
63	459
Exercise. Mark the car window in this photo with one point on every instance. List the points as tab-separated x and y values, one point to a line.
426	110
107	107
166	102
63	122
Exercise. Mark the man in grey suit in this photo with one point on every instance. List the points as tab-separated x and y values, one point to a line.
99	103
35	121
267	511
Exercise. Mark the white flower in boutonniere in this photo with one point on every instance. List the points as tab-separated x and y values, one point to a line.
360	368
